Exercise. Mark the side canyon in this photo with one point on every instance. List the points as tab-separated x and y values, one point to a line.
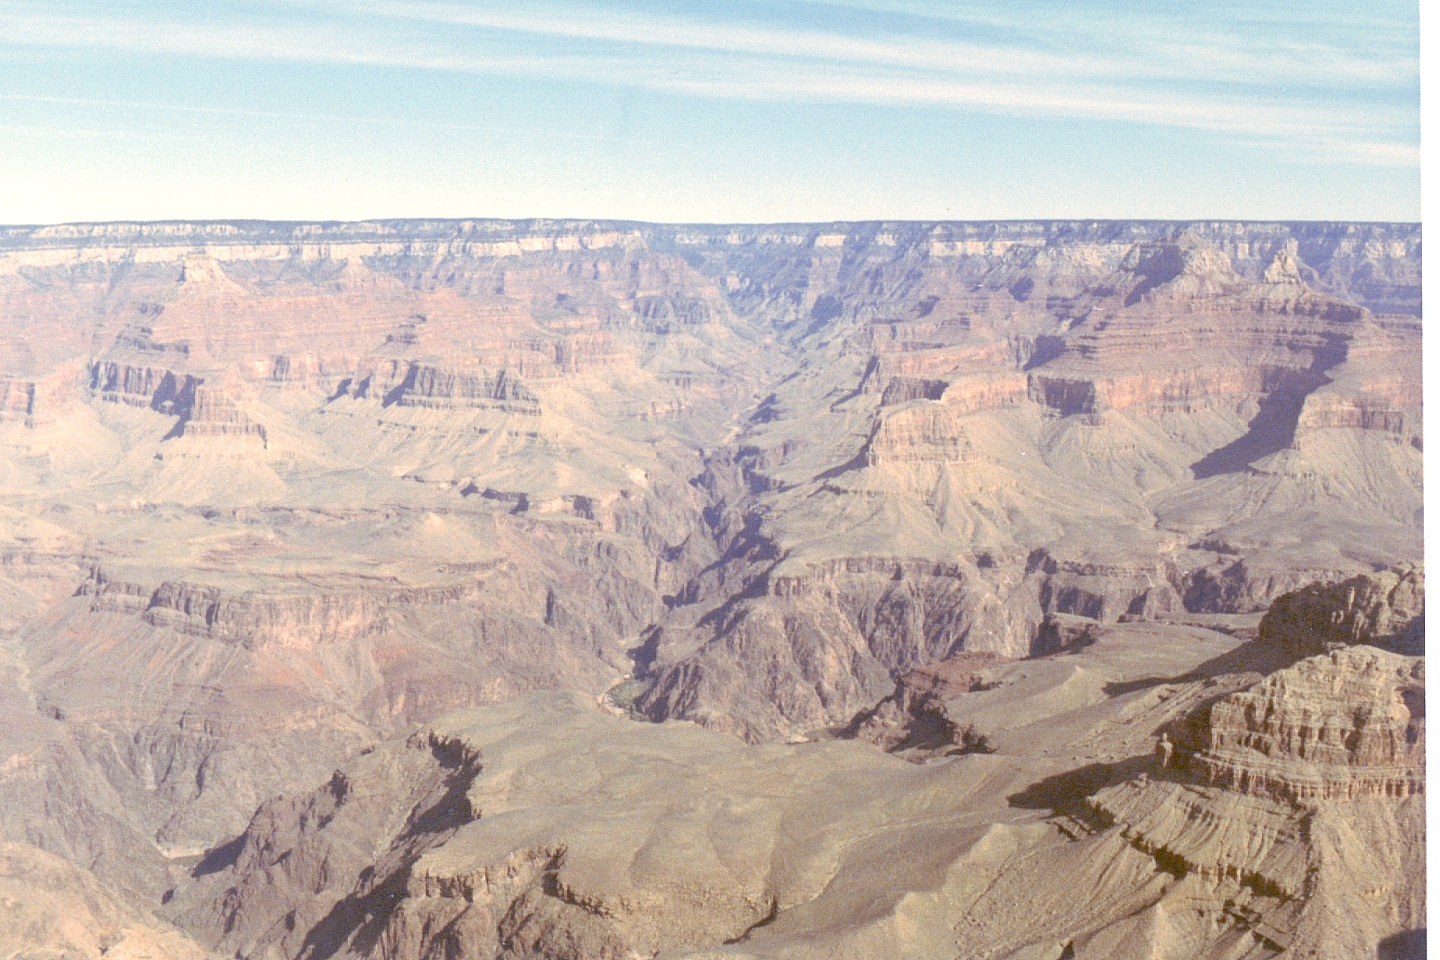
569	589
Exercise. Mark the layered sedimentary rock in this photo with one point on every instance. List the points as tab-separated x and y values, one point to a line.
547	827
1307	798
1343	725
269	493
1305	789
1028	400
1385	609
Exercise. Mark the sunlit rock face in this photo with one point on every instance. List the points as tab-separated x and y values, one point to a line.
1305	791
1343	725
271	494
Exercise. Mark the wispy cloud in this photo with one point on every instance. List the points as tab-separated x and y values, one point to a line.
1132	46
276	115
1308	90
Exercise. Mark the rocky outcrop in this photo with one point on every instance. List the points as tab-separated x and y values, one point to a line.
158	388
1304	796
435	865
17	399
920	434
973	394
253	618
1178	391
211	412
903	389
665	314
195	699
202	410
37	400
424	385
1356	413
1385	609
913	717
1346	721
548	827
835	635
1343	725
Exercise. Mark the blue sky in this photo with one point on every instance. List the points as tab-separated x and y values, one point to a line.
687	111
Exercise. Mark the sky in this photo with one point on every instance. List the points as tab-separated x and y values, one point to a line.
708	111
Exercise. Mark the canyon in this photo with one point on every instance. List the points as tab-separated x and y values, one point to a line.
411	589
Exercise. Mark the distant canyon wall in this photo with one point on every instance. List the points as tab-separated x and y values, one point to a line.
375	471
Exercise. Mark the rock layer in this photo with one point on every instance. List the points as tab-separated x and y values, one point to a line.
1344	725
270	493
1386	609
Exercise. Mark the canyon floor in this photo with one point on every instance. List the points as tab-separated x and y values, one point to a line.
572	589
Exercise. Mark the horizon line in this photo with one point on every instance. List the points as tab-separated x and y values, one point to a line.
861	221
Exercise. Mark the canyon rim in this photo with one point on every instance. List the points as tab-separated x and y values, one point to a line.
570	589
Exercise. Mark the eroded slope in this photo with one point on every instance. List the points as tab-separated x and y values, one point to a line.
548	828
272	493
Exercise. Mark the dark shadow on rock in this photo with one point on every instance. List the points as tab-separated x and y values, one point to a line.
1047	348
398	391
643	654
219	858
1273	428
870	369
1409	641
176	431
453	809
928	730
857	462
747	544
1159	268
1409	945
766	412
826	308
1065	793
1054	638
1253	656
1121	687
356	921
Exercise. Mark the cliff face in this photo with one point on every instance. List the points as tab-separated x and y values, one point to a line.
269	492
1307	799
1385	610
1345	725
1307	787
1036	398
